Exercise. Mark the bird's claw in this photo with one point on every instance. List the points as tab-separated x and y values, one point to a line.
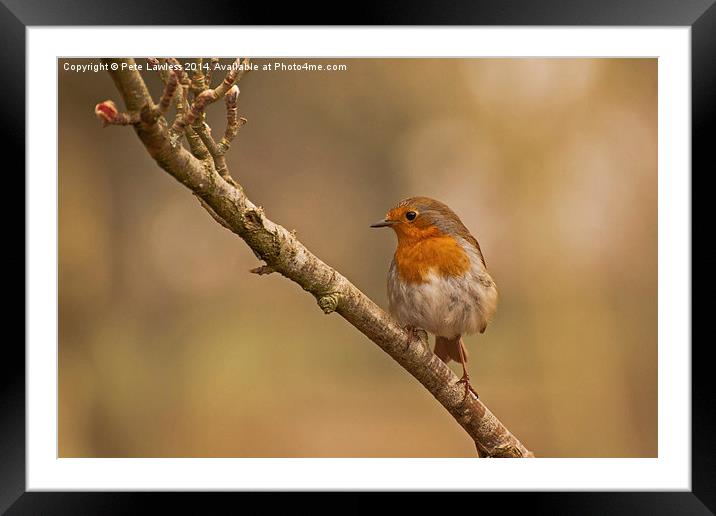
416	334
468	388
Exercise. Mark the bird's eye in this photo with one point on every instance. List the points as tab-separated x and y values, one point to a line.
411	215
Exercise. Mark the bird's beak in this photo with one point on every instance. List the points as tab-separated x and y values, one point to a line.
383	223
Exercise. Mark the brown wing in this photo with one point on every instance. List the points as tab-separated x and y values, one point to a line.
474	242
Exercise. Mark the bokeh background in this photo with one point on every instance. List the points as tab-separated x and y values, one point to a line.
168	347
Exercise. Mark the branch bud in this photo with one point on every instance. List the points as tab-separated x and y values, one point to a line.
328	302
106	112
232	95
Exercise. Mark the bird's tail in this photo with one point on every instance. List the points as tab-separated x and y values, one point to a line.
449	349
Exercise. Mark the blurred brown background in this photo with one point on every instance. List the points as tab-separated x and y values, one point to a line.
169	347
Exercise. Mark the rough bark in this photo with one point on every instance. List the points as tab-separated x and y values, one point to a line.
283	253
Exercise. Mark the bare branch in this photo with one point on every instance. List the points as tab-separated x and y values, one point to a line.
196	110
208	96
218	151
262	270
236	72
233	122
212	64
196	144
198	83
285	254
203	130
174	79
213	214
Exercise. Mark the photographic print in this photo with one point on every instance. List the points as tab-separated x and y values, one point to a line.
237	234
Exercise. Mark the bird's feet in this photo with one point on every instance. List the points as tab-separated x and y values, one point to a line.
468	388
416	334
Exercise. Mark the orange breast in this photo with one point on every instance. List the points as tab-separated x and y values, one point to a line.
415	259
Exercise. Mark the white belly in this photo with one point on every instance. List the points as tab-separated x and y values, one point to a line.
444	306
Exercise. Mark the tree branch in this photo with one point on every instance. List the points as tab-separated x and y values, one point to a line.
284	253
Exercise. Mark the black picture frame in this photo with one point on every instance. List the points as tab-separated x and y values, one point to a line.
16	15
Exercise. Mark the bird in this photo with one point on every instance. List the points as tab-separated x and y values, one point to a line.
438	280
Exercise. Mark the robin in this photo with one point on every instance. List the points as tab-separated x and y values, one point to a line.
438	280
